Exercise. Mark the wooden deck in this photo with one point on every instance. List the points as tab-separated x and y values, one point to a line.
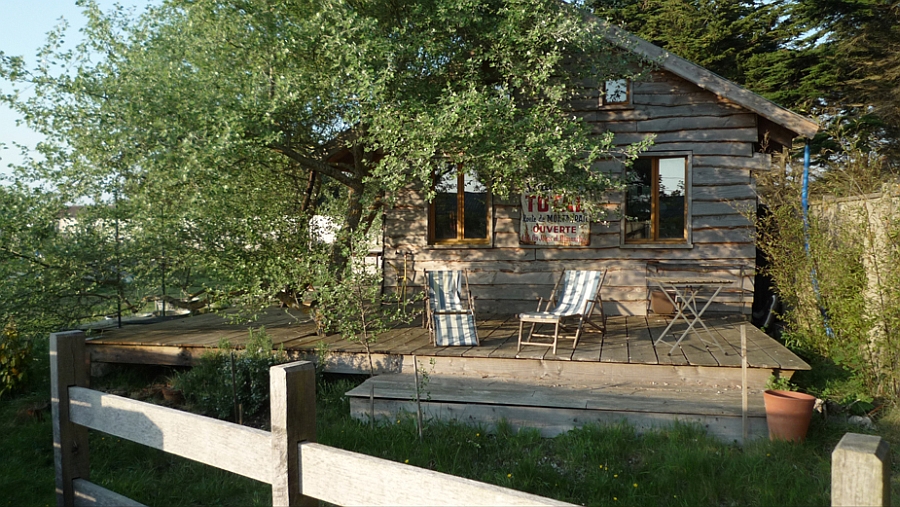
627	342
611	377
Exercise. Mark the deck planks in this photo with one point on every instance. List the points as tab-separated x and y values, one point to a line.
756	357
615	342
656	325
399	337
589	347
628	340
506	331
785	358
640	345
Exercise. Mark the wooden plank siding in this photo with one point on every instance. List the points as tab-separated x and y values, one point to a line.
505	276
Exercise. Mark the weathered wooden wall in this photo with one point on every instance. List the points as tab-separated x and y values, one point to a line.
506	277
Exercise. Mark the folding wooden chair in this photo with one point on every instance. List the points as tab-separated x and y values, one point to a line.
577	297
450	321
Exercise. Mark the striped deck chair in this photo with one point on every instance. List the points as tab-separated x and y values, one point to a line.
577	297
451	321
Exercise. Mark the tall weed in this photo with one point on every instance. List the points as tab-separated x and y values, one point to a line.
839	280
225	378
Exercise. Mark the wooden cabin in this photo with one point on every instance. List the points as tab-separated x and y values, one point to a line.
687	210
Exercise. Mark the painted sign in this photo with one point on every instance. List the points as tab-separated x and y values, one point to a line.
544	224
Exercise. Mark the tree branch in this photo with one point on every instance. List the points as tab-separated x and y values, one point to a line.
27	258
318	166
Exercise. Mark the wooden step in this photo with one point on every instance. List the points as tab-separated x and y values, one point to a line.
552	373
556	409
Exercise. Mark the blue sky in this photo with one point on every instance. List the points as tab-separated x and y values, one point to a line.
23	28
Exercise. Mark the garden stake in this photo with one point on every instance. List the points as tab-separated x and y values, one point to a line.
237	412
418	400
744	429
372	405
405	280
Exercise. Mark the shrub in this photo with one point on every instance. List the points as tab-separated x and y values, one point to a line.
839	279
208	386
351	301
15	356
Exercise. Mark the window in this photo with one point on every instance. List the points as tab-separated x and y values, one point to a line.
461	210
656	201
616	92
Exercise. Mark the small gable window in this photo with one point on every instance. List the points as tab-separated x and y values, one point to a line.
616	92
460	212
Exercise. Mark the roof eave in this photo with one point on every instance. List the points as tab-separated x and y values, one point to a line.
707	80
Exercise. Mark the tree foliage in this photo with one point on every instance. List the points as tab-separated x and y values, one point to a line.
724	36
837	276
244	97
857	44
210	131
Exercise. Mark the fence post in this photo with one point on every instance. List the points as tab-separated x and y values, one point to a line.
68	367
861	471
292	391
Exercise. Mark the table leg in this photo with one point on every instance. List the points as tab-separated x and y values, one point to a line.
698	318
689	303
708	332
674	305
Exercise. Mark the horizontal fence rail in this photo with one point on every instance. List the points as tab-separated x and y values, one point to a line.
300	471
238	449
88	494
376	481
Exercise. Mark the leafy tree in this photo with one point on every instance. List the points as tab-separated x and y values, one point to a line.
221	126
51	276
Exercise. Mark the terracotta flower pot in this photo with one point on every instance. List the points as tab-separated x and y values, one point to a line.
788	414
172	395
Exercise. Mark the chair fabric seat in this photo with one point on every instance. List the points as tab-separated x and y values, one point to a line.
444	291
451	321
454	330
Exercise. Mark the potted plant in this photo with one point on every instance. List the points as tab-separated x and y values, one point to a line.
171	392
788	412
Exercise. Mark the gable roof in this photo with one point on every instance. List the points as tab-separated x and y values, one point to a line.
706	79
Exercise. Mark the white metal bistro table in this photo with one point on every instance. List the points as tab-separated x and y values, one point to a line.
688	293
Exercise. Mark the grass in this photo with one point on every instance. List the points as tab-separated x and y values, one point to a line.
608	465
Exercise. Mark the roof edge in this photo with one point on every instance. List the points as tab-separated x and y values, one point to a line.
706	79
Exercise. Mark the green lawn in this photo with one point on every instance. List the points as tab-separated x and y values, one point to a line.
592	466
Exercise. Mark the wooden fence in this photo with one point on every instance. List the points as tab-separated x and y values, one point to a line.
300	471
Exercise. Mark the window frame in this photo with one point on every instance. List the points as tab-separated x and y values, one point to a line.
460	239
626	104
655	242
